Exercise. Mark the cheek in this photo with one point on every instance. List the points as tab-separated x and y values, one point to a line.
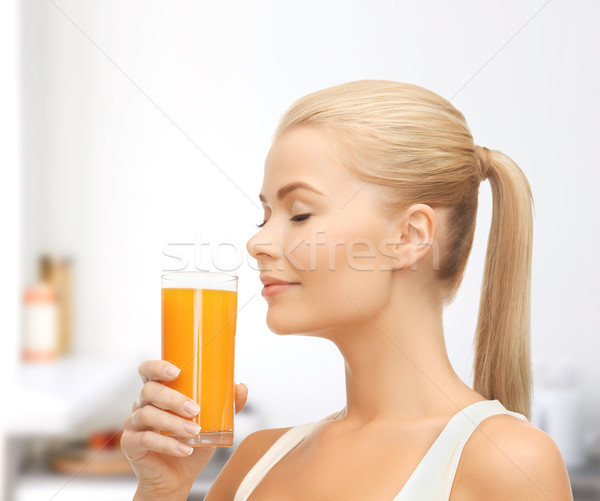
346	276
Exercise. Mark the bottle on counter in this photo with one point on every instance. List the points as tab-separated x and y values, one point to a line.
57	273
47	311
40	323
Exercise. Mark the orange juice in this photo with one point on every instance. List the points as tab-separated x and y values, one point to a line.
198	337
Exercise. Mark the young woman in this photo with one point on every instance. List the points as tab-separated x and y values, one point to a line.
370	195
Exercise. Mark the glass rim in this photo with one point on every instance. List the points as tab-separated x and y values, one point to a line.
176	275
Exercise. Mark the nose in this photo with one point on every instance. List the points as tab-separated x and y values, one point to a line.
261	246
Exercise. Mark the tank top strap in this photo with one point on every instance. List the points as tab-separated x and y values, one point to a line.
284	444
433	477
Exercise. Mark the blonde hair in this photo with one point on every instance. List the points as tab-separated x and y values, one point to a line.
418	146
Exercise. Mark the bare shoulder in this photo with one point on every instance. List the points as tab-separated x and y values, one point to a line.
244	457
508	458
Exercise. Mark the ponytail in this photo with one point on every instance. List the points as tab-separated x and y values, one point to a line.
502	367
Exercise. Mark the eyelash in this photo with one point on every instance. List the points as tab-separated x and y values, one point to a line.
295	218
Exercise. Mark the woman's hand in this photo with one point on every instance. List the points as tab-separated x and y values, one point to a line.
165	467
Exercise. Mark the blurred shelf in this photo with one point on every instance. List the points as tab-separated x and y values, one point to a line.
52	397
33	486
64	488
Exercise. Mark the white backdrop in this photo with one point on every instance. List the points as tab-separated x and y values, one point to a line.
146	123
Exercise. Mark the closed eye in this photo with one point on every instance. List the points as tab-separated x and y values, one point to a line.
297	219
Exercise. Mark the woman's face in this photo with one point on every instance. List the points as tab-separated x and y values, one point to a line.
328	238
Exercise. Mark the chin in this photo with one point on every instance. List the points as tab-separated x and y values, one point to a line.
282	321
281	327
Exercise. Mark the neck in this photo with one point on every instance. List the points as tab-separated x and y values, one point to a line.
397	366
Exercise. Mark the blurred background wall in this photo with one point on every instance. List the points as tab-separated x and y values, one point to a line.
143	129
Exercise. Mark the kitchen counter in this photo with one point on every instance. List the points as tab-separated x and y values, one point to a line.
34	485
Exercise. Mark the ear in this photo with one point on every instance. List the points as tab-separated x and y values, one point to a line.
414	237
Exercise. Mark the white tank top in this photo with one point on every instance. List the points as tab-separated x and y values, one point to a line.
430	481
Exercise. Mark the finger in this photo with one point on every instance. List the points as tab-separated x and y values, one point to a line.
241	396
166	398
157	370
136	445
153	418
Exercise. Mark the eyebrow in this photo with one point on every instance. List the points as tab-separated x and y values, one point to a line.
288	188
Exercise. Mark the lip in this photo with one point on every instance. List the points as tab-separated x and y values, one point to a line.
270	290
267	280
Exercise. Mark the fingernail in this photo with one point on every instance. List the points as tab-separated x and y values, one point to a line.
192	428
172	372
185	449
191	407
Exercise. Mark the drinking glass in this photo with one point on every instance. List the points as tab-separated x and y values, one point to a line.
198	336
